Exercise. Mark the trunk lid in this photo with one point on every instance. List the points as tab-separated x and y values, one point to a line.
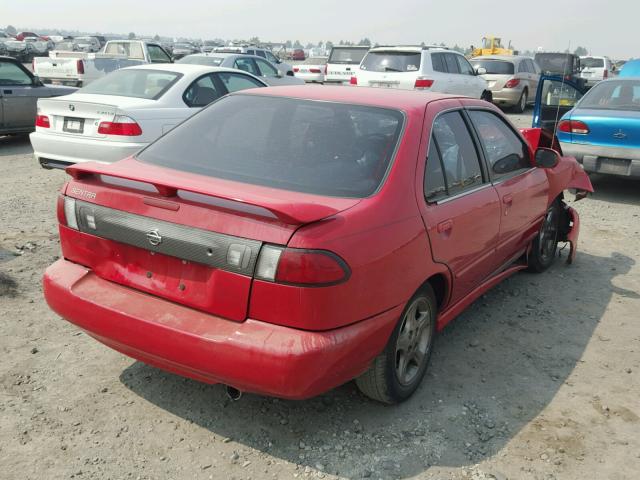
609	128
191	239
496	81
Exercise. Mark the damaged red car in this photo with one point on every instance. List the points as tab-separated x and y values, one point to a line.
284	241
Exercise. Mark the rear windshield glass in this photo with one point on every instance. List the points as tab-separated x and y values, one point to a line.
130	49
349	56
149	84
613	95
555	63
494	67
322	148
201	60
315	61
590	62
391	62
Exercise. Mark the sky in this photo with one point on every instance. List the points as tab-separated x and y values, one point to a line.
604	28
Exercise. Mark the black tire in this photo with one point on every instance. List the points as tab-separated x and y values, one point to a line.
545	244
521	106
382	382
487	96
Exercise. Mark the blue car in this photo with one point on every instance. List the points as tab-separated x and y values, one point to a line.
630	69
600	128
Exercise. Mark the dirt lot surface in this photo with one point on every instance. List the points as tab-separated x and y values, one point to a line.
539	379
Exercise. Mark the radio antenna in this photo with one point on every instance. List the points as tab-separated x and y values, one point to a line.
564	76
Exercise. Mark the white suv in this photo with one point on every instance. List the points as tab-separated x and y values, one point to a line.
595	69
426	68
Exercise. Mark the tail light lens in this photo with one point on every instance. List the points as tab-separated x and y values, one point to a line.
296	69
353	81
423	83
42	121
573	126
293	266
66	212
314	70
512	83
121	125
80	67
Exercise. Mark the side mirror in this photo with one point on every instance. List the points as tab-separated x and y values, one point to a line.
481	71
290	73
546	158
36	82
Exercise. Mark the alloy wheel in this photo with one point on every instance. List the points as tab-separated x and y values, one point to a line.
413	342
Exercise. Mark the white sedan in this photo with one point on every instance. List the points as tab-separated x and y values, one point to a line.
312	70
121	113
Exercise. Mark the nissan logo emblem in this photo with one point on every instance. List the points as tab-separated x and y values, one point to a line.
72	107
154	237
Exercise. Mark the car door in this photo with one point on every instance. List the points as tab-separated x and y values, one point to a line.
455	80
555	97
246	64
19	96
460	207
522	188
472	85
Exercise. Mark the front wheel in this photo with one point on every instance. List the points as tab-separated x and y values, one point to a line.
396	373
545	244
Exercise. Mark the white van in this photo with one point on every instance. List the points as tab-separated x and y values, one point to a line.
343	62
595	69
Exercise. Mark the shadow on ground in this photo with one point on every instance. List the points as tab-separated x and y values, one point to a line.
614	189
494	369
15	145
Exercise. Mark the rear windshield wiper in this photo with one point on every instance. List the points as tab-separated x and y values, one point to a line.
391	69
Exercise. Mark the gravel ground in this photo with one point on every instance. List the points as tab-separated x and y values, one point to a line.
539	379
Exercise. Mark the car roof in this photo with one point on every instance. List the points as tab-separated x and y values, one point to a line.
410	48
370	96
184	68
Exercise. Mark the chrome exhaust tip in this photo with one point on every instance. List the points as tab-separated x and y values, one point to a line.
233	393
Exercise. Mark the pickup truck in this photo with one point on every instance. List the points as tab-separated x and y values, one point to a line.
81	68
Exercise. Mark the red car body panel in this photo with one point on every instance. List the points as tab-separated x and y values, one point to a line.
284	340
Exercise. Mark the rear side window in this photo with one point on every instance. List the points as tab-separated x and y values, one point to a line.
202	92
505	152
248	65
591	62
438	62
452	63
391	62
465	66
458	153
323	148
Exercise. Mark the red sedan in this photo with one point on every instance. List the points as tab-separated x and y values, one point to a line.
286	240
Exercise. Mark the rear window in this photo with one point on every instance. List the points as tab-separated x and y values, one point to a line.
149	84
555	63
613	95
130	49
494	67
391	62
322	148
590	62
347	56
201	60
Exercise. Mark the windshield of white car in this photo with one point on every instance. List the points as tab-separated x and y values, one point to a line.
347	56
201	60
494	67
391	61
137	83
590	62
613	95
322	148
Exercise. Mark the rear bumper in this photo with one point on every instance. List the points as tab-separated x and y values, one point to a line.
251	356
607	160
55	150
506	96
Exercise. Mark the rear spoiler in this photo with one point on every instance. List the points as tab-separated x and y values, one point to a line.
169	182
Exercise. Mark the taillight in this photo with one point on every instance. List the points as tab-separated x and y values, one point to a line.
121	125
80	67
42	121
325	69
66	212
353	81
423	83
314	70
293	266
512	83
33	65
296	69
606	74
573	126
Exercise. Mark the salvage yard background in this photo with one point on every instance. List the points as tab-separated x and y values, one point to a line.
539	379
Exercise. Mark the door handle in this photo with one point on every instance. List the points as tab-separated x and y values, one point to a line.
507	199
445	226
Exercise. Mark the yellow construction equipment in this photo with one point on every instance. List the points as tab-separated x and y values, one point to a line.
492	46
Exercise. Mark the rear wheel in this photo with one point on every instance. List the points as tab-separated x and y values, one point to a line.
522	103
545	245
487	96
397	372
